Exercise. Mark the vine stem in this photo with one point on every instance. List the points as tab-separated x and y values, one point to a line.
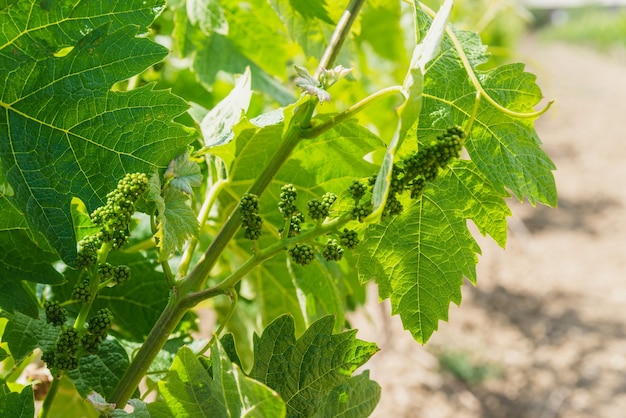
319	129
47	402
339	35
180	302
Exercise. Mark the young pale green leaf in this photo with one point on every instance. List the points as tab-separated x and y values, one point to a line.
102	371
17	405
183	174
208	14
69	403
504	146
83	225
189	390
176	222
218	123
306	370
61	124
419	258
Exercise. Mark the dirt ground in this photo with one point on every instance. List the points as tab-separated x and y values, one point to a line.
548	317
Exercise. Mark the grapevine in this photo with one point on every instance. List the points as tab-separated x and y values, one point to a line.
271	204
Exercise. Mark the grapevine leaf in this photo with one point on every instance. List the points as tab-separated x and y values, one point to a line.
17	405
209	16
3	354
190	390
14	296
305	24
20	257
23	334
176	222
218	123
503	146
357	397
63	132
69	403
419	258
140	410
306	370
102	371
183	174
83	225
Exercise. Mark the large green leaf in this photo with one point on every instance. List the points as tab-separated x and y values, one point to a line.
189	390
505	147
63	132
16	405
23	334
306	371
419	258
102	371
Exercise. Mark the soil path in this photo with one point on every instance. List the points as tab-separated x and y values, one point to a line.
548	317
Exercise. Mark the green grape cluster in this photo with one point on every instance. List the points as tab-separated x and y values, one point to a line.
88	251
115	216
412	173
357	190
302	254
361	211
64	356
286	204
333	250
82	291
55	314
349	238
251	222
97	330
121	274
106	271
317	209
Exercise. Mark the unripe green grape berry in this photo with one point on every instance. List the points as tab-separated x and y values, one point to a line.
249	205
356	190
328	199
81	291
286	204
106	271
360	212
48	358
65	361
332	251
393	206
349	238
91	343
417	186
100	323
55	314
302	254
316	209
68	341
121	274
253	227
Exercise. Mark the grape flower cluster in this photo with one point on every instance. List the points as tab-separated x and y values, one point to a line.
251	222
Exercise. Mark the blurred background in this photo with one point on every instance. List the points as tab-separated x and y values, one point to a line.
544	333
